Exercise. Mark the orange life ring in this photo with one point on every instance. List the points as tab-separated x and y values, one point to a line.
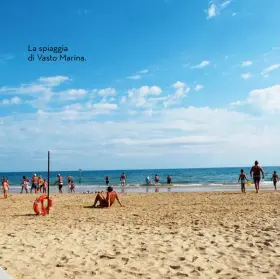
39	207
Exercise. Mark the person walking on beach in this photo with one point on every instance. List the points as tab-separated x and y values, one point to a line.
69	179
24	185
255	173
6	187
45	186
60	183
107	180
156	179
169	179
275	179
41	184
123	179
34	183
242	179
107	201
72	187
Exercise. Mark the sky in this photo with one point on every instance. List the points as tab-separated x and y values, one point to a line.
163	84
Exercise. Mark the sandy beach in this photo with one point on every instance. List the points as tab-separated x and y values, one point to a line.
160	235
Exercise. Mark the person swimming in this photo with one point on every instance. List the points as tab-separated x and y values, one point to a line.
107	201
242	179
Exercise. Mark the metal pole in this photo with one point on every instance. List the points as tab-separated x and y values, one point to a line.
48	178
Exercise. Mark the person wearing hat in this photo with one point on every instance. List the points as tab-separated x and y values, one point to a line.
255	173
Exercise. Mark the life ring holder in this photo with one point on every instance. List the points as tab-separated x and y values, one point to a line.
38	205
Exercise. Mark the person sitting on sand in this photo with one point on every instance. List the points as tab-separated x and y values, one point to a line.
275	179
6	187
24	185
242	179
169	179
255	173
108	200
156	179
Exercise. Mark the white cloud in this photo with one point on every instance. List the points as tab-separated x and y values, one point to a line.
201	65
107	92
212	11
215	7
123	100
135	77
181	92
138	96
53	81
13	101
246	63
198	87
144	71
270	69
73	94
105	106
267	99
225	4
246	76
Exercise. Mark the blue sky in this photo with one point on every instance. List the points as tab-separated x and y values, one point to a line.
165	84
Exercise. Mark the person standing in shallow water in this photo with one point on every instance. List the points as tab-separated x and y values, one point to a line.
275	179
107	180
255	173
242	179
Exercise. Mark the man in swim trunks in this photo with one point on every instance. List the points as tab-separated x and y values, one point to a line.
107	180
169	179
69	179
123	179
34	183
108	200
60	183
275	179
255	173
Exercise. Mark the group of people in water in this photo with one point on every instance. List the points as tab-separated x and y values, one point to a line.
40	185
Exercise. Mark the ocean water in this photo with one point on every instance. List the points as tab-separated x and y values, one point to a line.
192	179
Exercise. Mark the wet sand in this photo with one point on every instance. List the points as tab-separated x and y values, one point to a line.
159	235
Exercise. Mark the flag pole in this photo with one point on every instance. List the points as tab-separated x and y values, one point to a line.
48	178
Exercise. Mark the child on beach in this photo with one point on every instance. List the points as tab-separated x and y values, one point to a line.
45	186
275	179
6	188
242	179
72	187
25	185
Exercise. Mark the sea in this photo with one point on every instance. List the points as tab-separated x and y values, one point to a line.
183	180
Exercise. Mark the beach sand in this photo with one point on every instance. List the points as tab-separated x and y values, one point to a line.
159	235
